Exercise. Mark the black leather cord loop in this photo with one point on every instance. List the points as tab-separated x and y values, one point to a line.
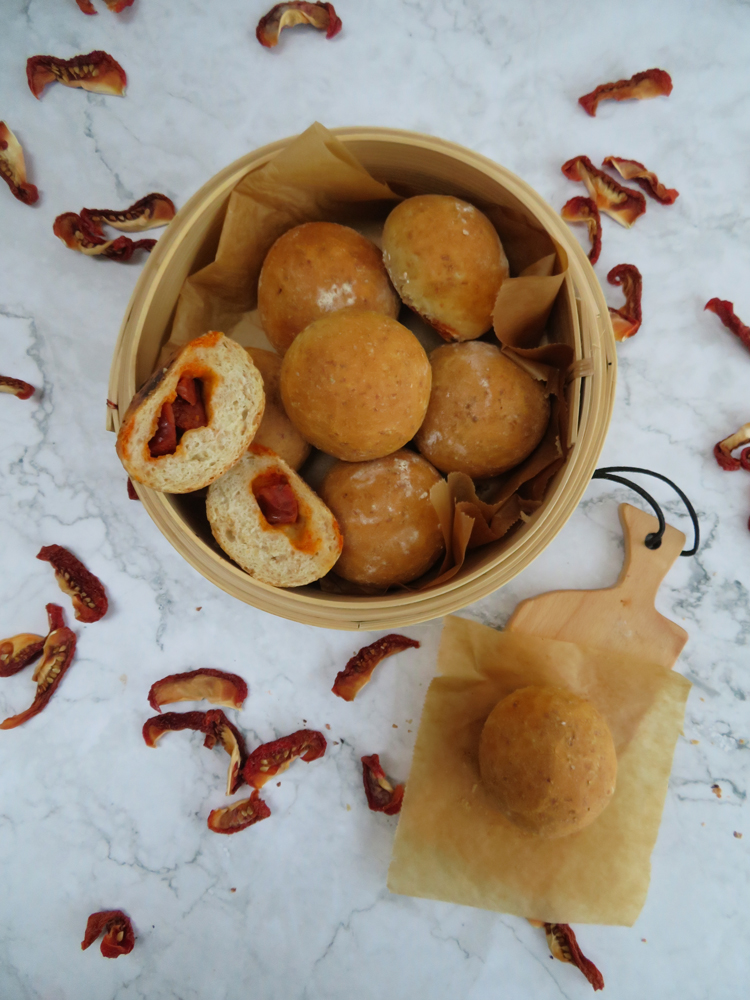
653	538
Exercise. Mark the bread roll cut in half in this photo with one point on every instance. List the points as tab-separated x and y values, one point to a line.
446	262
356	385
391	530
547	758
315	269
486	414
276	430
266	518
193	418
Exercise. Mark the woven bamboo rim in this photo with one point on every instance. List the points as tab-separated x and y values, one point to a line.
148	316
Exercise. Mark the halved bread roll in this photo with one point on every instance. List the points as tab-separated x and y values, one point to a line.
266	518
217	422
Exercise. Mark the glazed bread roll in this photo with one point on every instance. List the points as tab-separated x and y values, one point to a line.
193	418
266	518
276	430
547	758
391	530
447	263
356	385
315	269
486	414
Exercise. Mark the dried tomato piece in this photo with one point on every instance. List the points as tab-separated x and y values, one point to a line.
269	759
627	320
276	498
381	795
16	386
57	655
215	726
725	311
87	7
131	490
118	939
18	652
358	670
623	204
563	946
239	815
632	170
649	83
118	6
286	15
582	209
89	598
13	167
164	440
188	409
723	450
149	212
88	240
216	686
96	71
172	722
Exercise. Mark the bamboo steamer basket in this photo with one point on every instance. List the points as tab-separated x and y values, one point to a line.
580	318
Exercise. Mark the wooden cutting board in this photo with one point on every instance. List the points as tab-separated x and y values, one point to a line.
621	618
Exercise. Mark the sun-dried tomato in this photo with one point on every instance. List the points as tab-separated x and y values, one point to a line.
16	386
582	209
269	759
216	686
118	939
13	167
57	655
118	6
149	212
725	311
563	946
164	440
131	490
627	320
216	728
632	170
649	83
723	450
18	652
358	670
381	795
69	228
89	598
275	497
87	7
188	409
285	15
239	816
96	71
623	204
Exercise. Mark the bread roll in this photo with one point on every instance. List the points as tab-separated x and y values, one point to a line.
276	430
391	530
547	758
486	414
446	262
266	518
315	269
230	400
356	385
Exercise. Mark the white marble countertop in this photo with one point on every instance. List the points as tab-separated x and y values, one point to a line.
297	907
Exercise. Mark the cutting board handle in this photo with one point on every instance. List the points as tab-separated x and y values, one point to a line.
644	569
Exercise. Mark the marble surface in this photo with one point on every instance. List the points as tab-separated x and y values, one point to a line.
297	907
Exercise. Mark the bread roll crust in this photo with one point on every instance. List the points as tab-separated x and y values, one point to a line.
282	555
446	262
315	269
486	414
276	430
356	385
234	402
391	530
547	758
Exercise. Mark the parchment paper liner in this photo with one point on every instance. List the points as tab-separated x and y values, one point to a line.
316	178
452	845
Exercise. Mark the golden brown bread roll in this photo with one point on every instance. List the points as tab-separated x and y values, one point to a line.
547	758
356	384
276	430
446	262
486	414
391	530
315	269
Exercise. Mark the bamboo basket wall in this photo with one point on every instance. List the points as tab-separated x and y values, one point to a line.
580	318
